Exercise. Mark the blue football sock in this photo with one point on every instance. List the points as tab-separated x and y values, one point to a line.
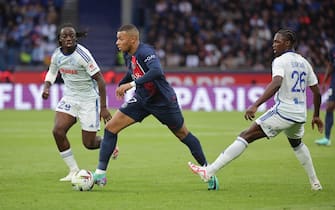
329	124
107	147
195	147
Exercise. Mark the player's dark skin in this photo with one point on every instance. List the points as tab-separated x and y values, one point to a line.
63	121
255	132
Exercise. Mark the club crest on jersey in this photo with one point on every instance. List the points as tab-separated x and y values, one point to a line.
91	66
137	70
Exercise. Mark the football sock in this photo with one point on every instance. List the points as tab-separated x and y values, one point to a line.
68	158
195	147
107	147
329	124
230	153
99	171
305	159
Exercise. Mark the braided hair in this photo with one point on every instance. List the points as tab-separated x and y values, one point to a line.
79	34
289	35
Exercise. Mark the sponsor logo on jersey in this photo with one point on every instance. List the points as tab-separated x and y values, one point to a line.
68	71
150	57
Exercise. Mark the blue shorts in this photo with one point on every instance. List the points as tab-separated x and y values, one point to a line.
169	115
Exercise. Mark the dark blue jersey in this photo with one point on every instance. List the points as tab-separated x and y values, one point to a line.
332	61
145	69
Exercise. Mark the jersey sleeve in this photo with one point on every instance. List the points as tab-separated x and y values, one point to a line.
88	61
151	60
53	66
127	78
53	69
277	68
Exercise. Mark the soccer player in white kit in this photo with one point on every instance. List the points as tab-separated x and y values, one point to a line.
291	75
84	97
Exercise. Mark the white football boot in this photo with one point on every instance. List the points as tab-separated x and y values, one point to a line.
68	177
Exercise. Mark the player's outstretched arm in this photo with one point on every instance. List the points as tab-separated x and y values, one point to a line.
270	90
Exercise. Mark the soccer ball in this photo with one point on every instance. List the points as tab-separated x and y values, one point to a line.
83	180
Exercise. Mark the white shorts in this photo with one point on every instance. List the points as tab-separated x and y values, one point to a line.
272	124
87	112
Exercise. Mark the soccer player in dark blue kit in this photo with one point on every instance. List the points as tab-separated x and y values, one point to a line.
153	96
329	119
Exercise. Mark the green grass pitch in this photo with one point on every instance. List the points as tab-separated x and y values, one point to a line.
151	171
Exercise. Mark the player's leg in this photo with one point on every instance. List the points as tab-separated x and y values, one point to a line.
128	114
329	119
90	139
172	117
89	117
174	120
63	122
192	142
301	151
234	150
194	146
265	126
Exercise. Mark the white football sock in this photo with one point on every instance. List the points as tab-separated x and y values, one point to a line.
69	160
99	171
230	153
304	156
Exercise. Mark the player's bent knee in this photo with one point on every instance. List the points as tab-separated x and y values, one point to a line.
91	145
58	133
294	142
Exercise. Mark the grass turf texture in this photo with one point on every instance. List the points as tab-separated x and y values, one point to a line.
152	172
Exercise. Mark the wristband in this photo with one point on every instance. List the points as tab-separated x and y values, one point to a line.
133	84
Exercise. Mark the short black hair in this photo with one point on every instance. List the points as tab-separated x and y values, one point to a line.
127	27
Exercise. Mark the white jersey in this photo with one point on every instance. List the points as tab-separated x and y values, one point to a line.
76	70
298	75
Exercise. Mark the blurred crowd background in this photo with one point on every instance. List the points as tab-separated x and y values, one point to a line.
28	32
223	35
237	34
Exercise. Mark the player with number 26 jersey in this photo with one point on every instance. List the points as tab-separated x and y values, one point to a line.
297	74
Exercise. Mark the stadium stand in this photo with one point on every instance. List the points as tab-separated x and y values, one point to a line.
101	20
236	34
219	34
27	32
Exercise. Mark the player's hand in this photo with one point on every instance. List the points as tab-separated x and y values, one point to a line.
318	122
121	90
250	113
115	153
105	114
45	93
